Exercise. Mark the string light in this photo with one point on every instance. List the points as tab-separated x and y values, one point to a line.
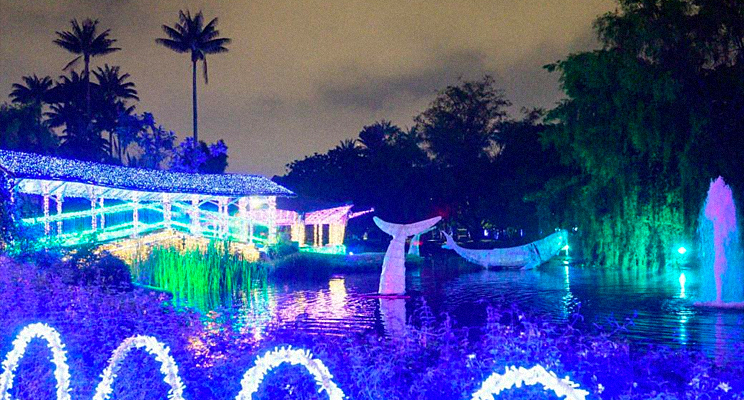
59	359
37	174
35	167
252	379
168	366
254	376
515	377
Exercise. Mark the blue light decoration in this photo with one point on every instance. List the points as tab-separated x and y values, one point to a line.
152	200
682	250
35	168
251	381
231	207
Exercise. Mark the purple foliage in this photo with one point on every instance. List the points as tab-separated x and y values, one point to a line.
433	360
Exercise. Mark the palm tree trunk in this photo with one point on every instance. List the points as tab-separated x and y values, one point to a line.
193	93
87	87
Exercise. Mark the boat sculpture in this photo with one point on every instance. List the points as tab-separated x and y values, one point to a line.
527	256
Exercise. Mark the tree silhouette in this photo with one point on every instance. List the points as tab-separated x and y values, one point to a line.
35	92
113	91
87	42
191	35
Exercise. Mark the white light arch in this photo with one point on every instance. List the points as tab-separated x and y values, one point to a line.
254	376
494	385
168	366
59	359
515	377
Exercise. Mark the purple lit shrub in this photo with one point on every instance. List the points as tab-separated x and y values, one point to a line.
433	359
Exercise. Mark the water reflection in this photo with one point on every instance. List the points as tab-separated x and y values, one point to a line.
393	313
659	304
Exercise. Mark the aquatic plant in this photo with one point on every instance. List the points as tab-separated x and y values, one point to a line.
202	277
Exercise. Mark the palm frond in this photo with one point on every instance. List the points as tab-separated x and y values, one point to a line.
72	63
174	45
175	34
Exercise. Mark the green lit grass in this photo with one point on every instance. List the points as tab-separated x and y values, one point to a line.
203	278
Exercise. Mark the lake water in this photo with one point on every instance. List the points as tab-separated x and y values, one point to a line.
660	308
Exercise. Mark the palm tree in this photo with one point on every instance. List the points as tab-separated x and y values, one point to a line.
191	35
87	42
114	90
34	93
114	85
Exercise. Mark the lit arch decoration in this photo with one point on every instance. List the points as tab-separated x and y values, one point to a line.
515	377
494	385
254	376
168	366
59	359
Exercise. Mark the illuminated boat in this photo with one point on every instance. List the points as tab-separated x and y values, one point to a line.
527	256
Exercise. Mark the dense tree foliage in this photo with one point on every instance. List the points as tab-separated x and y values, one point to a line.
650	118
464	159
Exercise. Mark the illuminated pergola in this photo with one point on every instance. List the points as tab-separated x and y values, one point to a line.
83	202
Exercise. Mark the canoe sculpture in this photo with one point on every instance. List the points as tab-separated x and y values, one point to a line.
527	256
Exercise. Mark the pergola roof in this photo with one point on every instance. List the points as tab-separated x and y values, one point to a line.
37	174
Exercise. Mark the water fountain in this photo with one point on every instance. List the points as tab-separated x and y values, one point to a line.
720	250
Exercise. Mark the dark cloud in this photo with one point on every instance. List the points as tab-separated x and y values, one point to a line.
372	93
303	75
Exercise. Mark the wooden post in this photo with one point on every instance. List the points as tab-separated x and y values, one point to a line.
135	215
224	228
94	216
103	213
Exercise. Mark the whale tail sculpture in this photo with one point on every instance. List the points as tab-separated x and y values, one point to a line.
413	249
393	277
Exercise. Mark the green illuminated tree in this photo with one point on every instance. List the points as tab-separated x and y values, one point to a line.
649	119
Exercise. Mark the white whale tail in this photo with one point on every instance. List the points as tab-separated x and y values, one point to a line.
393	277
451	245
405	230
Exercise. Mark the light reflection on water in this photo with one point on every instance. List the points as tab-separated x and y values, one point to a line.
658	304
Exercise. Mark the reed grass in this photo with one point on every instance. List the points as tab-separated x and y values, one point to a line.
203	277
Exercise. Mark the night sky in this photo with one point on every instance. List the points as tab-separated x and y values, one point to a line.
303	75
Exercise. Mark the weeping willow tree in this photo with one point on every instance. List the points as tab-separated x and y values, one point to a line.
648	120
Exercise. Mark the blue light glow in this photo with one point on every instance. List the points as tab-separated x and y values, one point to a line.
37	167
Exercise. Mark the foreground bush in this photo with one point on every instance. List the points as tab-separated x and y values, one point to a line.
432	359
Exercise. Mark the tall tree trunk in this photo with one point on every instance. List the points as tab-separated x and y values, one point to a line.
193	93
87	88
112	150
